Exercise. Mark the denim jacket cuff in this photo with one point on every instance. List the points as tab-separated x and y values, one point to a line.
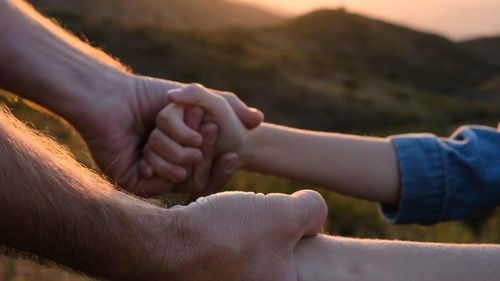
423	181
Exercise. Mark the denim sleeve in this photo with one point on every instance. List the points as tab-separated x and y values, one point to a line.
446	179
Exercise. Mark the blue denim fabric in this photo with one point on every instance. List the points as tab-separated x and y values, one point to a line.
446	179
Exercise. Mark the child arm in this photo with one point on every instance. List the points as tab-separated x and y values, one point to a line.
418	178
357	166
363	167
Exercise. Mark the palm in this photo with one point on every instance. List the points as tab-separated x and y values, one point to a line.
119	130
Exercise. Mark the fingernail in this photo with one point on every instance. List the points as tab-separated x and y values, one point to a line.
231	165
197	155
211	137
173	93
197	140
179	173
149	172
257	111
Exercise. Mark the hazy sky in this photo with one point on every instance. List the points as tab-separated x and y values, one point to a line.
457	19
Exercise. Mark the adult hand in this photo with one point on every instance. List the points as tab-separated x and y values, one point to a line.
113	109
241	236
117	123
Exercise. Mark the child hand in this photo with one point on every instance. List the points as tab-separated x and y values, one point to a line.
232	132
173	146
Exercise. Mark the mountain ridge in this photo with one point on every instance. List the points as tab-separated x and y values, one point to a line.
168	14
328	70
336	39
486	48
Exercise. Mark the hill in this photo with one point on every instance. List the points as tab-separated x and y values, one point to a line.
336	39
328	70
168	14
488	49
328	40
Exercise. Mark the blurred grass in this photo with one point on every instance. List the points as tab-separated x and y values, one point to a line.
23	270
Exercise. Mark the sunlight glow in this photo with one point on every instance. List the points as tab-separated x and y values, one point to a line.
456	19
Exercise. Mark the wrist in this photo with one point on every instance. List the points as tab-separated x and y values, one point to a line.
180	246
150	250
252	147
79	102
174	243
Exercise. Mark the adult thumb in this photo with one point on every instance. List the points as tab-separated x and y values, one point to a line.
311	212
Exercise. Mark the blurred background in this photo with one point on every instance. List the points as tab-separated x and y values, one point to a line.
374	67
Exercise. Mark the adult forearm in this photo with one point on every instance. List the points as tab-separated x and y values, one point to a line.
44	63
358	166
326	258
52	207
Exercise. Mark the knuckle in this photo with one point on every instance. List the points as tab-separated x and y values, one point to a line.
219	98
155	138
196	85
180	157
163	118
230	95
197	89
185	137
165	169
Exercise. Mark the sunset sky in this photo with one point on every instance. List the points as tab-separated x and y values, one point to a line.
457	19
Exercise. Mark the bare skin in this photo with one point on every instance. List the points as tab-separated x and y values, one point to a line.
77	219
358	166
324	258
113	109
66	206
54	208
363	167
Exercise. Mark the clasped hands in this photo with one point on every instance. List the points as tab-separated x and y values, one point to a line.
197	122
191	140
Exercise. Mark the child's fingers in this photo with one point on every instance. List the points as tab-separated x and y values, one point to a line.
164	169
197	182
223	169
171	121
194	117
145	169
197	95
171	151
202	169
